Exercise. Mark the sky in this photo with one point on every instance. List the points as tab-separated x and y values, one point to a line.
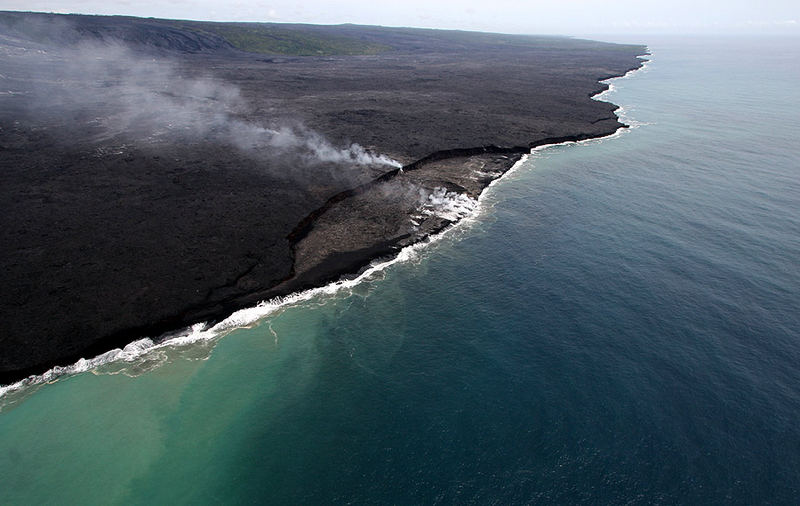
565	17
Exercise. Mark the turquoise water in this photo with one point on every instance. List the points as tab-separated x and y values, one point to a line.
620	324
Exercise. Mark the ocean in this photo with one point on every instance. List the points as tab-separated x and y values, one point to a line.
619	323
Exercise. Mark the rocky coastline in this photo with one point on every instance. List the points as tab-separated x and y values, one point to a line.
168	234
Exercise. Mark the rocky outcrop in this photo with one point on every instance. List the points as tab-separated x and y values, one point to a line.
133	209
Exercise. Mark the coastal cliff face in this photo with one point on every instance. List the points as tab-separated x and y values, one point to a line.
157	173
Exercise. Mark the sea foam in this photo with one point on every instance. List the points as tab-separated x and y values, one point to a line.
455	207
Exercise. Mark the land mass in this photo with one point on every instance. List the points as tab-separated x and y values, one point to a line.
157	173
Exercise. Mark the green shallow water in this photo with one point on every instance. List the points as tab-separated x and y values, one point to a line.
620	325
185	429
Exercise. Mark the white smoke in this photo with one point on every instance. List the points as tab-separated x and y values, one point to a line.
308	143
451	206
153	100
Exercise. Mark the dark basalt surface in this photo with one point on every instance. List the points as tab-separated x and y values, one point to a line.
136	196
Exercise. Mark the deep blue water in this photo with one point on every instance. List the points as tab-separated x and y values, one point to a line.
620	325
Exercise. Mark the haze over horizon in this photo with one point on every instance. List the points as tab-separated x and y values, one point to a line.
575	17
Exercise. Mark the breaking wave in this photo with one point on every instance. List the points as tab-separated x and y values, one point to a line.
148	352
622	113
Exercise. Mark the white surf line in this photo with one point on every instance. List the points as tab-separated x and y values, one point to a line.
200	332
243	317
620	111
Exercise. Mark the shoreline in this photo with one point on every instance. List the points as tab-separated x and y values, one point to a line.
193	324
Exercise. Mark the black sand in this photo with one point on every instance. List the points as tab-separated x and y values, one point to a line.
137	196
